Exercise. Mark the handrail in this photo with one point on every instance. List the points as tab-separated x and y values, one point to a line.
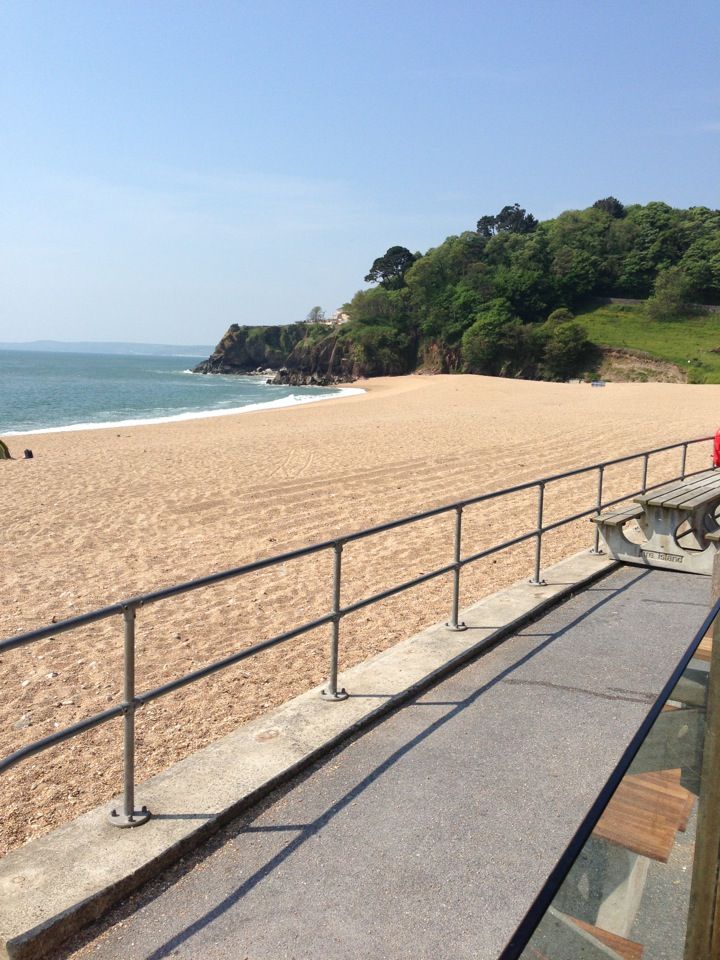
534	915
128	608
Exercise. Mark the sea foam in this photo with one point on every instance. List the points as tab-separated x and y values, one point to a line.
291	401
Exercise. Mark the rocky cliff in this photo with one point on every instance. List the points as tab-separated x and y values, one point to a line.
297	354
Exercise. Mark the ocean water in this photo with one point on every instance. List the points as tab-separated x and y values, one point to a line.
41	392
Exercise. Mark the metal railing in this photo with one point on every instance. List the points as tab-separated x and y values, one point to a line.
127	609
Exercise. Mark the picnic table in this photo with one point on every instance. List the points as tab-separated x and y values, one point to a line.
678	528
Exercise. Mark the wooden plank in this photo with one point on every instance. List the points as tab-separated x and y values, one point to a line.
645	813
659	495
674	742
704	651
618	517
558	937
695	499
689	497
627	949
666	489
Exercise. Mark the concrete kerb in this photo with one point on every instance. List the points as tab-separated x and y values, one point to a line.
55	885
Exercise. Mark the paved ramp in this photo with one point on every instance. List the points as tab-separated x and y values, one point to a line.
429	835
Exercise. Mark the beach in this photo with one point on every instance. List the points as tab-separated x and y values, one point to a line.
98	516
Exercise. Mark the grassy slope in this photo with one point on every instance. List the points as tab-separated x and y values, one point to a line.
687	343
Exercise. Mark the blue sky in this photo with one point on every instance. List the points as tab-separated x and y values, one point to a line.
169	168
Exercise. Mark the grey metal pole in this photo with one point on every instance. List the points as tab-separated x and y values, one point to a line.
454	624
538	540
601	472
331	692
646	459
130	817
684	460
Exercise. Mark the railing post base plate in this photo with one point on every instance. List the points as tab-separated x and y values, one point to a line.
456	627
338	695
134	820
537	583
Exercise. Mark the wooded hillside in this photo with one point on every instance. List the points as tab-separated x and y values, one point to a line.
502	299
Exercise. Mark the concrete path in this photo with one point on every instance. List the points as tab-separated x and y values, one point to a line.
429	835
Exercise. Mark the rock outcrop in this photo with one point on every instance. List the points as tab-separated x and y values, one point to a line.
633	366
300	354
252	349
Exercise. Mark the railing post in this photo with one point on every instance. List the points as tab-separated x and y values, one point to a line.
130	817
331	692
454	624
601	472
646	459
683	461
538	539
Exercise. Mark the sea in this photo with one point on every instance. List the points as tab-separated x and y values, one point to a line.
49	392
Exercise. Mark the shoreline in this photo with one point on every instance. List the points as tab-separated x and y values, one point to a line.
282	403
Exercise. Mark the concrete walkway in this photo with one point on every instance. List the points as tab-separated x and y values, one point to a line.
429	835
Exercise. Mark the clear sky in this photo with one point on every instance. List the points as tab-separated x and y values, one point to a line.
169	167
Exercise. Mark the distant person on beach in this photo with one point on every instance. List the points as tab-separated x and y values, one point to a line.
28	454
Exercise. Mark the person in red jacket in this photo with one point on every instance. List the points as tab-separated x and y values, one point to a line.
716	450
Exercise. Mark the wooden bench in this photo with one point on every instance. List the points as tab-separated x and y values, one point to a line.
678	524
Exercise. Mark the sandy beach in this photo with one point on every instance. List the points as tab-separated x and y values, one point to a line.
98	516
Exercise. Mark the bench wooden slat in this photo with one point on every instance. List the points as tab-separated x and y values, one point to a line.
645	813
627	949
701	498
704	650
667	489
560	935
680	491
618	517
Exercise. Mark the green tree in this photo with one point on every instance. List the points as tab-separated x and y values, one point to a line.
499	344
672	295
567	350
390	269
612	207
561	315
511	219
